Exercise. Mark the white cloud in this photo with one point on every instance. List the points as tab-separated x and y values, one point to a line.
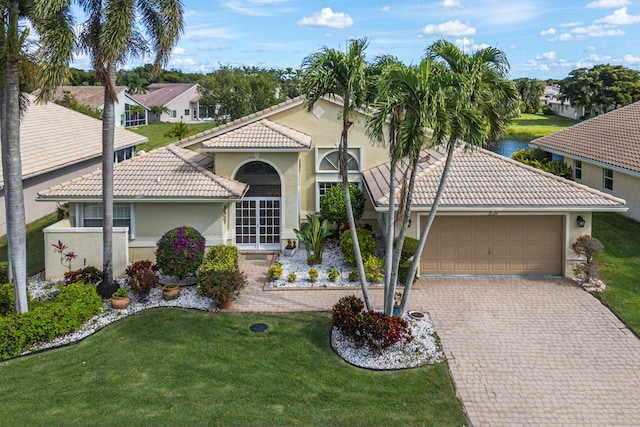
327	18
385	8
179	51
629	59
468	45
603	4
548	32
547	56
590	49
571	24
562	38
583	33
451	28
619	17
451	3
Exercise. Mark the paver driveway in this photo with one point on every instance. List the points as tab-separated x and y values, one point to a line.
535	352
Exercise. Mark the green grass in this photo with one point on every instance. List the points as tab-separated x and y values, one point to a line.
155	133
620	266
528	127
178	367
35	244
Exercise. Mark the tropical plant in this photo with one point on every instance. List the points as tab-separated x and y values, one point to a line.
221	285
312	235
537	158
158	110
330	72
141	276
122	292
333	274
51	21
115	30
367	245
332	206
275	271
313	275
450	97
292	276
179	130
180	252
89	275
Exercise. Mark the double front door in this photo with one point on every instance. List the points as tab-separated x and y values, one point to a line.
258	223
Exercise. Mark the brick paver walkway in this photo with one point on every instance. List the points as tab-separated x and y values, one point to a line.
520	351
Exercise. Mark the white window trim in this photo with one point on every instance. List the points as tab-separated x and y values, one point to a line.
132	218
605	178
577	166
322	152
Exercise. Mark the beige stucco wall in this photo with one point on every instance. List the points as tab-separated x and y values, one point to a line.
625	186
571	229
86	243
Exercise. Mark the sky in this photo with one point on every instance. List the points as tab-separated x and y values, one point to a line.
541	38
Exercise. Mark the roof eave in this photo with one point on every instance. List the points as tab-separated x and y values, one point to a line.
558	208
142	199
254	150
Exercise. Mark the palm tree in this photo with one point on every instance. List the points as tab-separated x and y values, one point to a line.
109	36
334	73
51	20
477	100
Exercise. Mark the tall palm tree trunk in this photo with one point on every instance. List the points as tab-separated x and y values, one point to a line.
427	225
108	286
14	197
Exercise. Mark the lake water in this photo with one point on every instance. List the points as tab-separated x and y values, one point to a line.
507	147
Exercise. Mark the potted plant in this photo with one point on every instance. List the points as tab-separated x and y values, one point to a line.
170	291
142	277
120	299
290	249
397	299
221	280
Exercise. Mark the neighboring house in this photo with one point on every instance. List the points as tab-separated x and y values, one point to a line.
180	100
250	182
93	96
604	153
56	145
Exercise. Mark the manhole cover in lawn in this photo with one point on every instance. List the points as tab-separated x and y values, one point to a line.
258	327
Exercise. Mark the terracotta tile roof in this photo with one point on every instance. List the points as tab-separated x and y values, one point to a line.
162	93
263	134
612	138
482	179
93	96
52	137
165	173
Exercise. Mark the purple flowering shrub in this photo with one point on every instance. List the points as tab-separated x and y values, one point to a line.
180	252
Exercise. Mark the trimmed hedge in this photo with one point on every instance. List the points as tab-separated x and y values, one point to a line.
219	269
75	304
367	245
224	253
4	272
180	252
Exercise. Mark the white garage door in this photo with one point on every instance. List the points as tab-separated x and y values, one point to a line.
487	245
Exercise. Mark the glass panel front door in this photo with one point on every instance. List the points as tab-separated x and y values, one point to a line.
258	223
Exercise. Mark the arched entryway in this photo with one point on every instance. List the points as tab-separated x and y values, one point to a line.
258	214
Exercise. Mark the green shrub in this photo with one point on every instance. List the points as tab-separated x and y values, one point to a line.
313	275
4	272
367	245
332	207
403	272
180	252
409	248
312	235
87	275
7	299
373	269
547	111
75	304
227	254
537	158
353	276
333	274
292	276
275	271
217	275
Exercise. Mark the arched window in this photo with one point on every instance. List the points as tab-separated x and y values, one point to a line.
329	162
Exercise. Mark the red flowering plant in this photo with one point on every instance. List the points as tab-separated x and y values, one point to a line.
141	276
180	252
65	257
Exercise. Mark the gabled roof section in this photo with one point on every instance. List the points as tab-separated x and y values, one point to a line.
93	96
162	93
484	180
612	139
261	135
52	137
169	173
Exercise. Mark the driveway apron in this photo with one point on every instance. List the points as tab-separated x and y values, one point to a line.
535	352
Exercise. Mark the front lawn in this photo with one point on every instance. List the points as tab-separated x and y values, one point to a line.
155	133
180	367
528	127
620	265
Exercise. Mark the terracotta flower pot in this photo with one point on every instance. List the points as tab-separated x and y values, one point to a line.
225	305
170	291
119	303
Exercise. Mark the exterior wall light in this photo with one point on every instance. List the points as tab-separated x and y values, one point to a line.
580	221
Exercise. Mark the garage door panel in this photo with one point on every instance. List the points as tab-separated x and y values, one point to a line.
500	244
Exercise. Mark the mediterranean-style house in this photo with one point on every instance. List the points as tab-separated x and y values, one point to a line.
180	99
93	96
604	153
58	144
250	182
